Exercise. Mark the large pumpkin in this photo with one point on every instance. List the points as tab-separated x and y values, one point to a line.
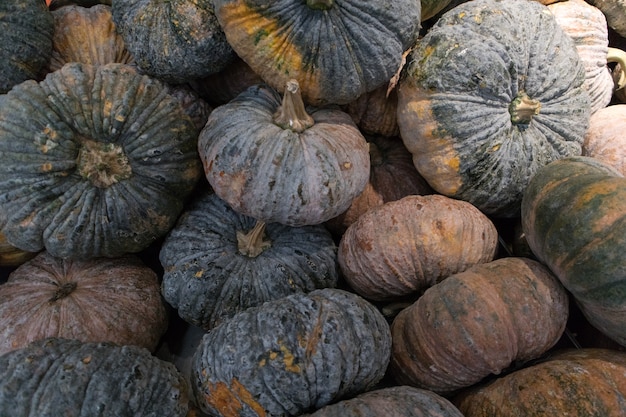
492	92
275	160
218	262
94	161
574	220
336	50
291	355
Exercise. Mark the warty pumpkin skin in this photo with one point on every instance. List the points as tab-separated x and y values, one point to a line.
65	377
26	29
94	161
574	383
574	220
292	355
478	323
217	262
272	159
100	300
492	92
336	49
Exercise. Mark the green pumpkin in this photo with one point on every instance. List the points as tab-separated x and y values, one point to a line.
26	29
94	161
218	262
491	93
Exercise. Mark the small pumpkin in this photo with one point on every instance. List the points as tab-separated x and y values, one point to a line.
218	262
276	160
492	92
66	377
402	247
573	217
478	323
94	160
26	30
605	139
574	383
336	50
291	355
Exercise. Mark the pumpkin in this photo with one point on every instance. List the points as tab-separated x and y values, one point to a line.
291	355
375	112
218	262
478	323
336	50
402	247
492	92
94	161
605	140
394	401
86	35
48	297
56	4
65	377
574	383
176	40
615	12
26	29
275	160
11	256
573	217
430	8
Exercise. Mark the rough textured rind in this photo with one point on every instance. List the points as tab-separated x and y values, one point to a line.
456	90
291	355
278	175
64	377
477	323
26	29
51	204
336	54
207	279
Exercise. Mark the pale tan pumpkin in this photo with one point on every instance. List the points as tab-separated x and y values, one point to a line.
605	139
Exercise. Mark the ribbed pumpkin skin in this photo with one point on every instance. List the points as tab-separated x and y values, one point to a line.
207	279
291	355
402	247
459	86
336	53
274	174
26	29
100	300
59	195
582	383
397	401
477	323
605	138
574	219
174	40
64	377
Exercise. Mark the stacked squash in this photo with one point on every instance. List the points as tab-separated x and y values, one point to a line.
329	196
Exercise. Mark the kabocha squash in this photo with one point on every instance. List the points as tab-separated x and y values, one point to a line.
217	262
477	323
336	50
395	401
65	377
94	161
176	41
492	92
605	138
574	220
277	161
573	383
11	256
100	300
615	12
292	355
402	247
26	29
375	112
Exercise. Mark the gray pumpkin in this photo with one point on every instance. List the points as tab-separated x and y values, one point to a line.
65	377
218	262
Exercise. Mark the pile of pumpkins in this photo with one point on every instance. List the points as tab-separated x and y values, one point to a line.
312	208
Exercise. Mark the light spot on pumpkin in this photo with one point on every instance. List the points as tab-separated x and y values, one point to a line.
289	360
199	273
86	360
346	166
47	167
230	400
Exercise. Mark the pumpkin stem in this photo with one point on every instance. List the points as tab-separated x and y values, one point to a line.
253	243
616	55
63	291
291	114
523	108
320	4
102	163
